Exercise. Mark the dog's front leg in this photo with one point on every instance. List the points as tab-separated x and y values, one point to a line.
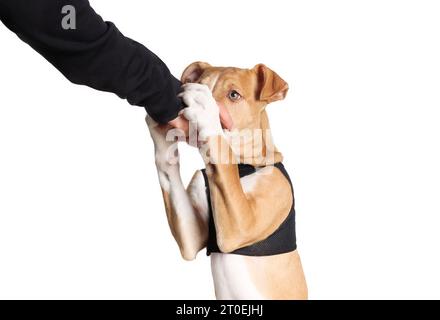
187	226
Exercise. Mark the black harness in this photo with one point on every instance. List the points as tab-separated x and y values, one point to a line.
283	240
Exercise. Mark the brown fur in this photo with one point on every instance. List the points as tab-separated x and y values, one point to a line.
279	277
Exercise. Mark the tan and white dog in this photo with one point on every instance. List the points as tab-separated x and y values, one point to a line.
245	210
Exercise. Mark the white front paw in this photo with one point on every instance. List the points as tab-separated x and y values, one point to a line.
202	110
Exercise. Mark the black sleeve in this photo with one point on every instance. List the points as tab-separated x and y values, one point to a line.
95	54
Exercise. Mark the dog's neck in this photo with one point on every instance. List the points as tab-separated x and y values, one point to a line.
255	146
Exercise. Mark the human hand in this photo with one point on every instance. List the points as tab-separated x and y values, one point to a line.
180	123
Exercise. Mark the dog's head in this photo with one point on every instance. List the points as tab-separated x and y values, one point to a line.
244	93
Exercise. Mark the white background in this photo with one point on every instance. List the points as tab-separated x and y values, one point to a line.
81	214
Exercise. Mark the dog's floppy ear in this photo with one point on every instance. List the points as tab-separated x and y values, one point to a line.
271	86
193	72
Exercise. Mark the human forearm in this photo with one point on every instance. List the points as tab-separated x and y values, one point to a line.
95	54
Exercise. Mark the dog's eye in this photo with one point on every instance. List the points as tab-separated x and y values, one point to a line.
234	95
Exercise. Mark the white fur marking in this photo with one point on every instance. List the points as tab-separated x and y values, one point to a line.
202	109
249	182
231	278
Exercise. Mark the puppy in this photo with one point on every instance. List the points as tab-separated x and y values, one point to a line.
241	206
